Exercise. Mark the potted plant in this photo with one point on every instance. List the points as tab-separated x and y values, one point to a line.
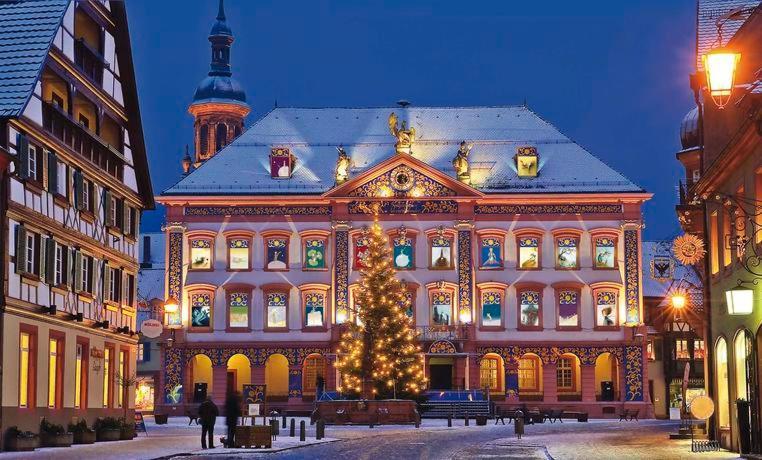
126	429
82	433
18	441
107	429
54	435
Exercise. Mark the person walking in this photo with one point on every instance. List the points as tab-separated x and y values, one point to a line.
232	412
207	413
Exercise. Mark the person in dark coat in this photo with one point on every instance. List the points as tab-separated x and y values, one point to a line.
232	413
207	413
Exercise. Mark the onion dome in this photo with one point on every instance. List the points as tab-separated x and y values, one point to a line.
689	130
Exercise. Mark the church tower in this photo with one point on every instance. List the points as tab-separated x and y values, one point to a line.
219	104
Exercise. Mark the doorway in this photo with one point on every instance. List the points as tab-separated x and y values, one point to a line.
230	384
440	373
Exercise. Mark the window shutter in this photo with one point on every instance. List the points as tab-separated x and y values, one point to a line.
20	249
22	153
120	207
106	281
135	227
50	263
79	200
91	282
42	258
146	351
107	208
77	270
52	172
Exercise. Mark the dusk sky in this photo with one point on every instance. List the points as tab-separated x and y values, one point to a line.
613	76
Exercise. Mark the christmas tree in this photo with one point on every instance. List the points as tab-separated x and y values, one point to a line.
378	355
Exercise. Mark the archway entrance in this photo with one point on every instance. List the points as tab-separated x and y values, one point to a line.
238	373
276	377
441	373
200	377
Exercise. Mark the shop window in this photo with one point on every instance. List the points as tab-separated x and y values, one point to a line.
568	308
55	359
313	371
314	254
314	309
489	375
403	251
121	378
529	253
606	308
440	252
441	308
26	369
107	376
238	310
492	308
698	349
491	252
201	310
239	253
80	376
604	255
529	374
681	349
529	309
276	303
276	253
201	254
565	373
567	253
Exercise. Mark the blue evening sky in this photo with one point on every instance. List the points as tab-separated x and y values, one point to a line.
613	76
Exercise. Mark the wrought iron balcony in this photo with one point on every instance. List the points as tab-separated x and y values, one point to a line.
91	62
82	140
455	333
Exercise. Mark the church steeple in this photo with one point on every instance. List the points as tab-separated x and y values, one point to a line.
219	104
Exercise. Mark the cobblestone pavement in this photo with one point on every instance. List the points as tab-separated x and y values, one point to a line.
601	439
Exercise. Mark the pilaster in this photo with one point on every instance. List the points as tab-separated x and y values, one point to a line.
549	388
587	380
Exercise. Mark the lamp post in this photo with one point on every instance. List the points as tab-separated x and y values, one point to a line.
171	307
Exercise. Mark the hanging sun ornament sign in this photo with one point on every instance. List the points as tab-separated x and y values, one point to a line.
688	249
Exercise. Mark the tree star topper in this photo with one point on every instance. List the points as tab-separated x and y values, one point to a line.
405	136
688	249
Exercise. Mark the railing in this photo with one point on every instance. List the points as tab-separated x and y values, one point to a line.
82	140
89	61
452	333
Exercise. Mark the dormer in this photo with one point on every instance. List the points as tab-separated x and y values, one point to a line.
526	162
281	163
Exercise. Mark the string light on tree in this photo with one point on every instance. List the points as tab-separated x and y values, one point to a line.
378	356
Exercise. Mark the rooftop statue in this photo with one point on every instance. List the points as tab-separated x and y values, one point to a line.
405	136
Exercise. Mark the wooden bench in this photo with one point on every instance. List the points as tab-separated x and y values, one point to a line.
192	414
553	416
629	415
580	416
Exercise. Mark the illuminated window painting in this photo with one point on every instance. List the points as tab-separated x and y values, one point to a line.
314	308
491	308
530	308
277	250
201	255
403	253
410	305
201	310
568	309
276	310
239	309
441	304
441	253
281	163
604	252
605	308
529	253
238	253
314	254
361	251
567	248
491	255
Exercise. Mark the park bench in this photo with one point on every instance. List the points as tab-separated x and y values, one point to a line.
629	415
553	416
192	414
580	416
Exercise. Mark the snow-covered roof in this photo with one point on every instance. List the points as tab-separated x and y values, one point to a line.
685	278
154	257
706	24
313	134
150	284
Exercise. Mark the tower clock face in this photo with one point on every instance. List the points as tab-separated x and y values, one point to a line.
402	178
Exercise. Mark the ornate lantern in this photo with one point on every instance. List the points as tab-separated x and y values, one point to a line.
720	65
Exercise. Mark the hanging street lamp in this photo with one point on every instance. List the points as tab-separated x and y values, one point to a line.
720	65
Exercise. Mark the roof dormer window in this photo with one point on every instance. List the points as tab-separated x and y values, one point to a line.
526	162
281	163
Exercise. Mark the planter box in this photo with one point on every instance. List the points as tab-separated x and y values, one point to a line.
108	435
56	440
347	412
259	436
481	420
126	434
161	419
22	444
84	437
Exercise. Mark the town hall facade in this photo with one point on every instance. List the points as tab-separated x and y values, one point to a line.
519	249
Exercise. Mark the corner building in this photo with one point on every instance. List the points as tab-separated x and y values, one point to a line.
520	250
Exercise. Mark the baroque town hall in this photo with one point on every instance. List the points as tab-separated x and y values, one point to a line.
520	251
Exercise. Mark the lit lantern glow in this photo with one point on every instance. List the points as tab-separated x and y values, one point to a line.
465	316
740	301
678	301
171	305
720	65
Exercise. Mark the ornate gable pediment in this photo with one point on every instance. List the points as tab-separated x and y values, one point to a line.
403	177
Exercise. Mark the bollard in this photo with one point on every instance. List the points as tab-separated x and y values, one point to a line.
466	418
292	431
274	429
284	421
320	429
449	421
302	431
418	422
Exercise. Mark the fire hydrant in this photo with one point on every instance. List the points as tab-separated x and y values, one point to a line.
518	427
